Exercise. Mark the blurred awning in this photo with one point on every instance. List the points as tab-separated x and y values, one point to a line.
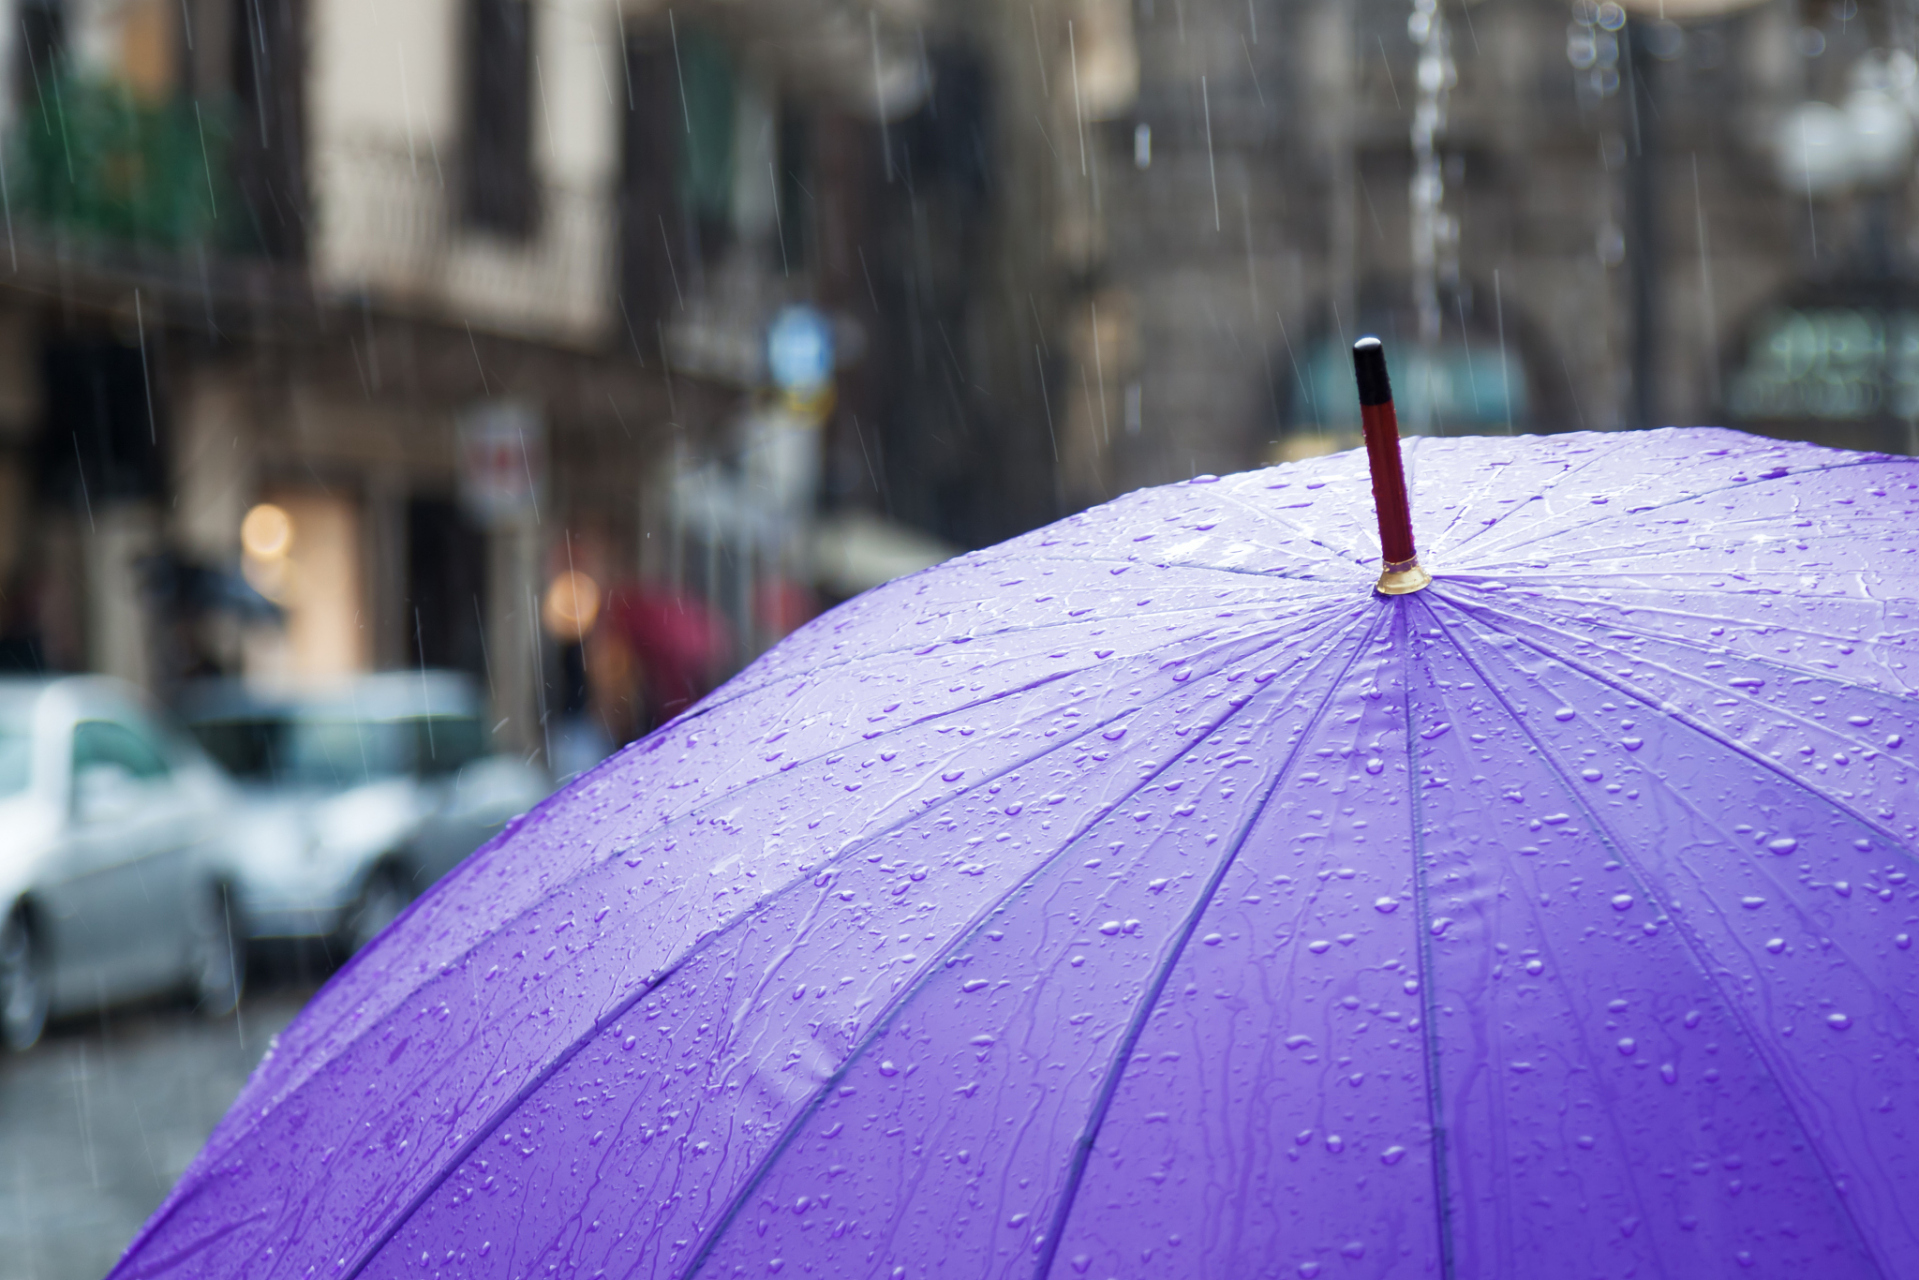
866	57
187	586
855	551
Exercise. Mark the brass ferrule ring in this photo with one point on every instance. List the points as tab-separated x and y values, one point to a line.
1403	578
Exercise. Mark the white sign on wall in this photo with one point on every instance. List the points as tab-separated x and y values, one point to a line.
502	461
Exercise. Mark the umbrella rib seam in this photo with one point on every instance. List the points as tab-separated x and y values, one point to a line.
573	1048
708	803
1136	1026
1551	622
1426	946
647	986
1267	513
714	701
696	713
1331	584
893	1010
1694	947
1577	469
1428	986
1736	747
1629	512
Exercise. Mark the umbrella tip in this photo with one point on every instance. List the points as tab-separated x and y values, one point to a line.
1401	574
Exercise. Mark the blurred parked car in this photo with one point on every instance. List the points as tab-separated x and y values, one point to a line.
358	796
113	879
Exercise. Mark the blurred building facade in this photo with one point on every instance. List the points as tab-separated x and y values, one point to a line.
475	295
1558	215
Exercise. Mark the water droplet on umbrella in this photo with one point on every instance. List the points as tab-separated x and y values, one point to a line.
1782	845
1386	906
1838	1021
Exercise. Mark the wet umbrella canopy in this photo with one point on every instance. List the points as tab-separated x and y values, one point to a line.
1150	896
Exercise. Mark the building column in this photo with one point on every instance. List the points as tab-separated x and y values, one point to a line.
389	610
516	651
122	535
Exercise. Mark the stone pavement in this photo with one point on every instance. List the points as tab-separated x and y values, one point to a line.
99	1119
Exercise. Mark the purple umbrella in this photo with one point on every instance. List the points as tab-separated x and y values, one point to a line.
1149	896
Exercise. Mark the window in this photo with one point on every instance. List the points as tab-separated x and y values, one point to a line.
1832	362
247	749
341	753
652	244
446	744
40	47
676	183
109	743
269	131
499	190
16	744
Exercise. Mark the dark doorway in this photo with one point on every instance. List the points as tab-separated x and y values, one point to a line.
101	439
446	587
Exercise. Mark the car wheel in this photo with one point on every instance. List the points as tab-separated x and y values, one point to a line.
218	962
385	895
23	983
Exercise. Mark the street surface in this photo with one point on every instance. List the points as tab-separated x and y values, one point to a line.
101	1117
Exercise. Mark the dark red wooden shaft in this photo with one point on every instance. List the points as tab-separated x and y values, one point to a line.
1389	482
1382	450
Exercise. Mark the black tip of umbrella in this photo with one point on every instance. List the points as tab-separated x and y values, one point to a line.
1369	366
1401	573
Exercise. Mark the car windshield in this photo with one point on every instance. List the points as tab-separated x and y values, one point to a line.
16	744
319	750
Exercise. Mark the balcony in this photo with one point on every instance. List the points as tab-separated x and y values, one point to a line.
91	164
389	228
